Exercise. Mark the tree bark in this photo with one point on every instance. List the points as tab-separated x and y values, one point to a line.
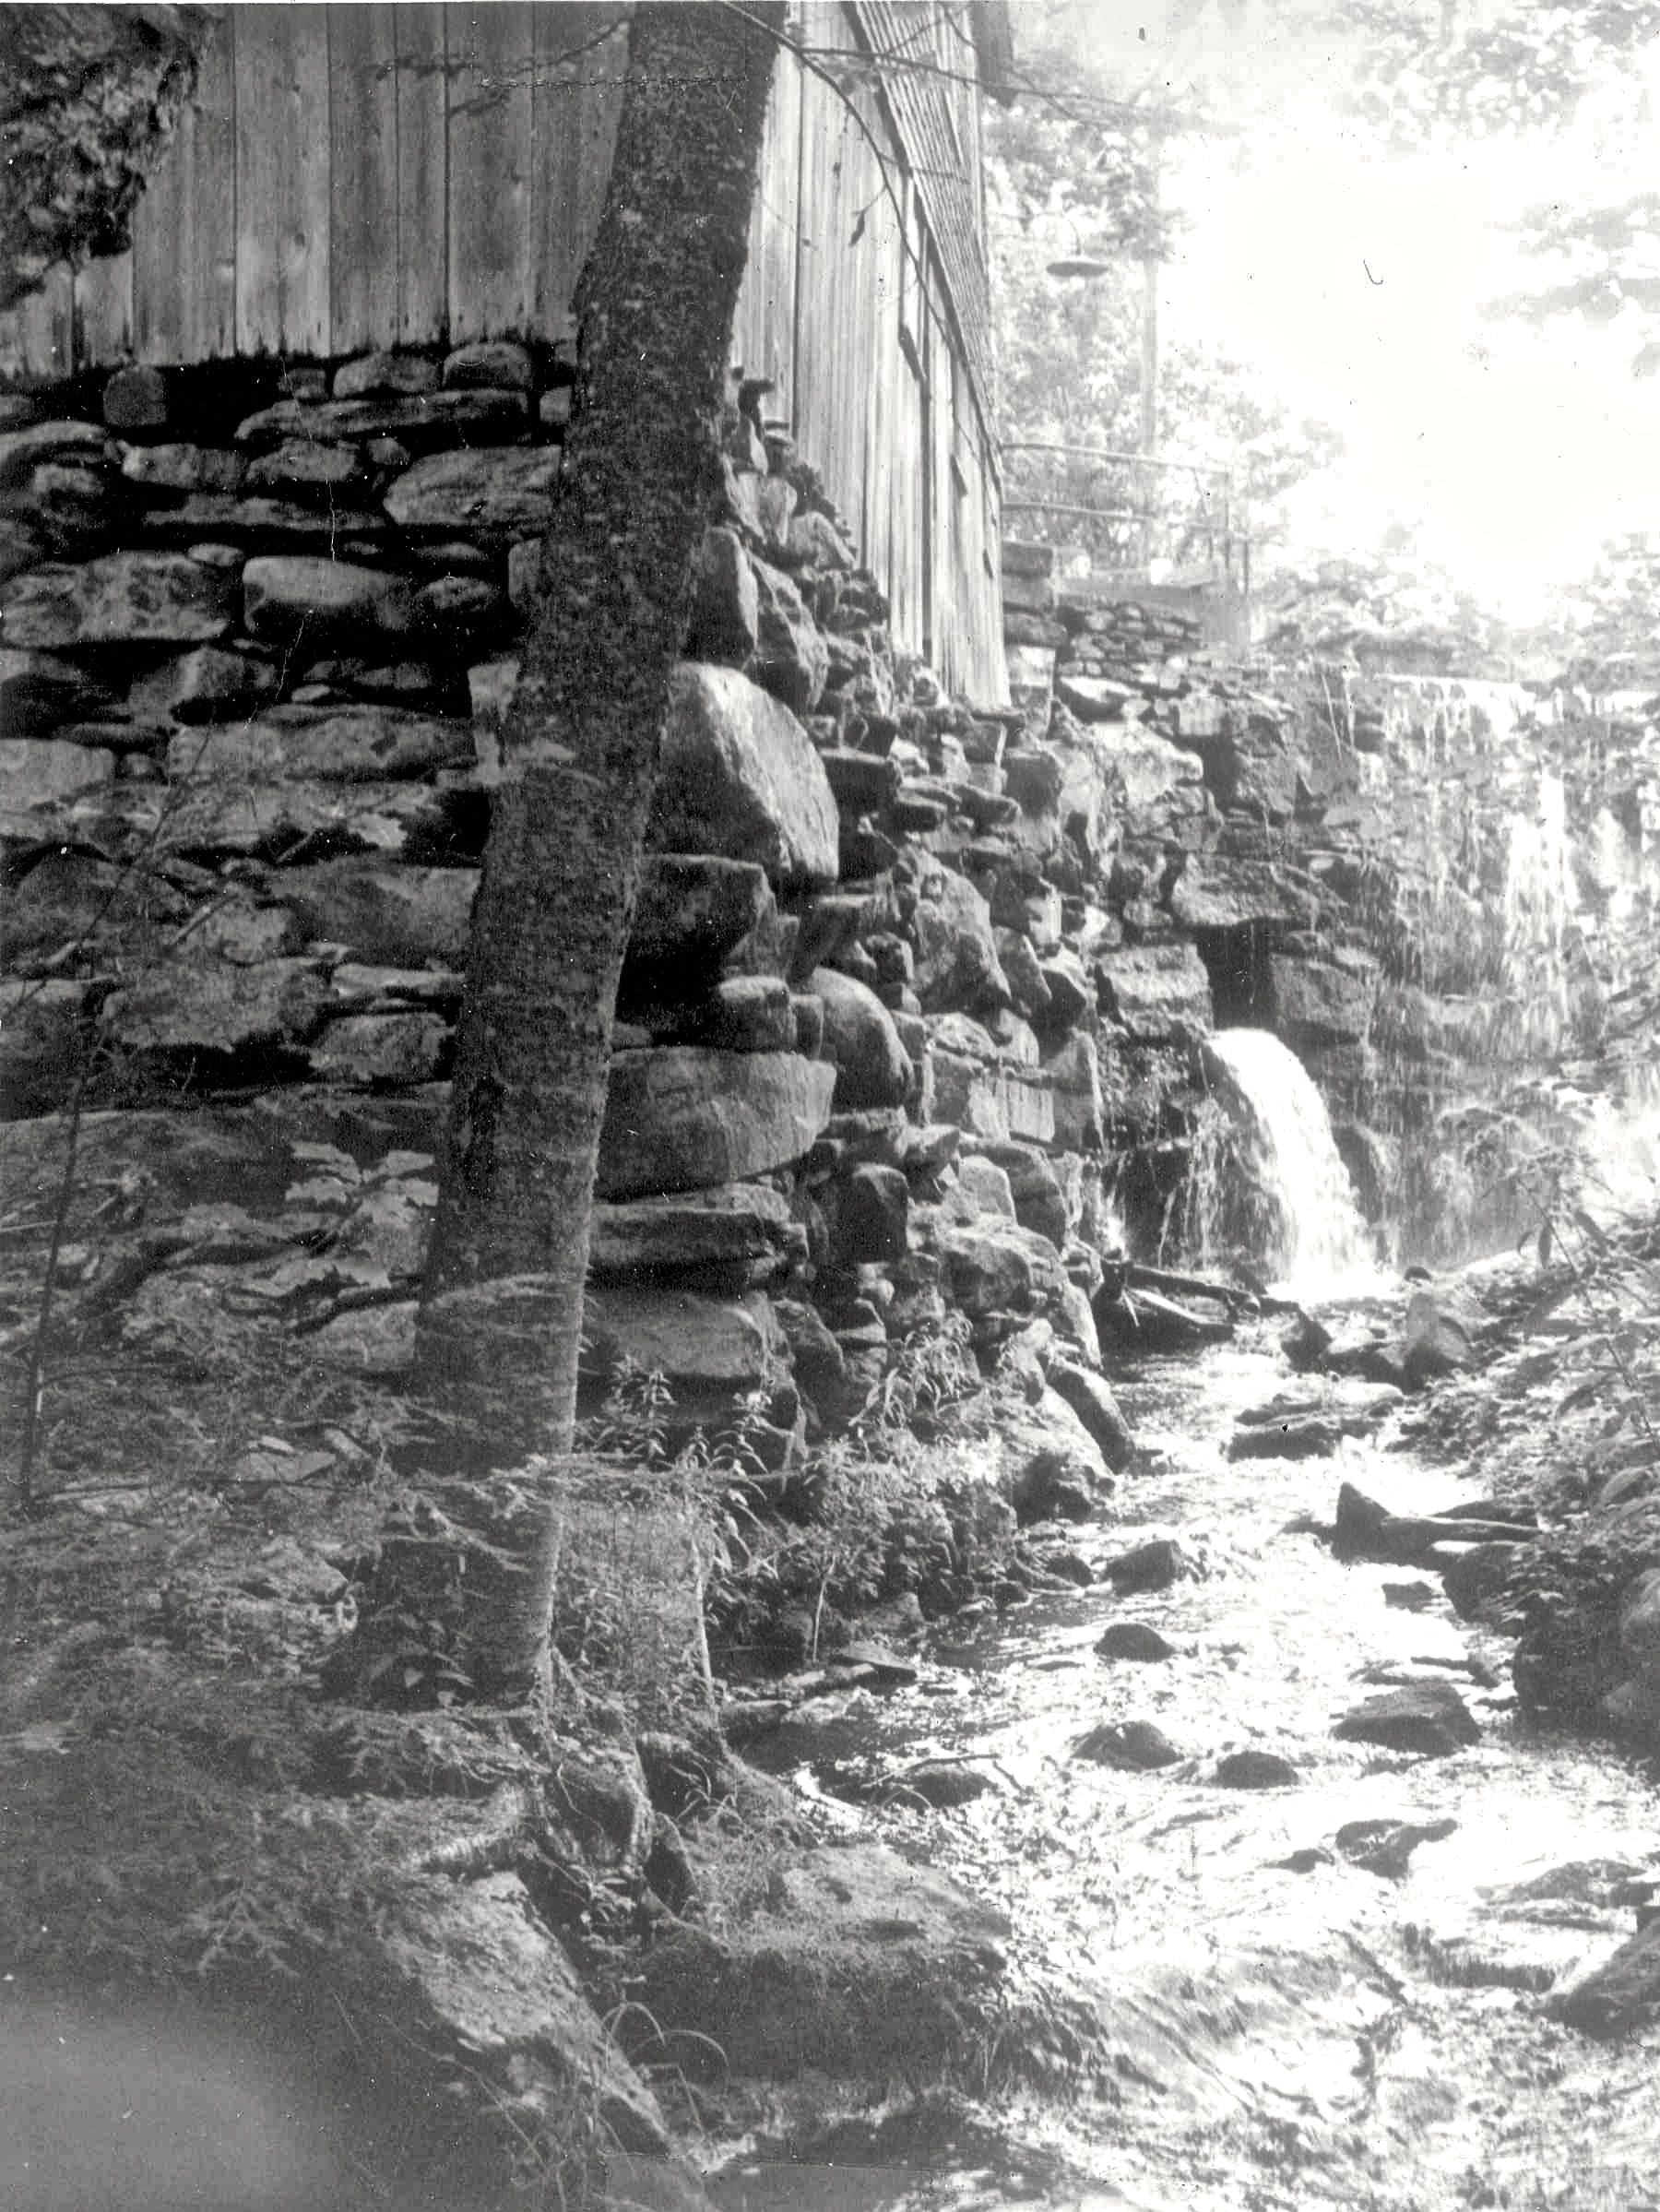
501	1313
88	98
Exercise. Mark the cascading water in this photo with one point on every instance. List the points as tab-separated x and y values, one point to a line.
1268	1182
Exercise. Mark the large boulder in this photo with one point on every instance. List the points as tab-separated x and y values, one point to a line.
125	598
683	1118
1051	1466
873	1067
854	1963
1427	1718
739	777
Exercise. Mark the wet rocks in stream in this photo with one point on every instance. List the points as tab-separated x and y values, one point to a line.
1427	1717
1134	1640
1385	1847
1154	1565
1255	1770
1132	1746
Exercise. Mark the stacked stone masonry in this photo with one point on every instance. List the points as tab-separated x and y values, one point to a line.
912	1018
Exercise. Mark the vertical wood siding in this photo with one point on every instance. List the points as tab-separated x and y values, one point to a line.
357	175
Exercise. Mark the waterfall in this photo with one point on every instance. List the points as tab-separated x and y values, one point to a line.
1268	1181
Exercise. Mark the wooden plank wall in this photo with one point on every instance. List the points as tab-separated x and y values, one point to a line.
362	175
352	176
846	304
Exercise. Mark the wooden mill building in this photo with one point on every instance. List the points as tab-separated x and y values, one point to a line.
354	176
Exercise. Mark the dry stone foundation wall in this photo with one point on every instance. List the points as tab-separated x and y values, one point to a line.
911	1017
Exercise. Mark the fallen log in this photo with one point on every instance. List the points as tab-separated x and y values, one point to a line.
1137	1278
1156	1323
1364	1529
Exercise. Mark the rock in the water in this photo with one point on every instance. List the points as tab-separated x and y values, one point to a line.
1621	1995
1385	1847
289	596
1090	1398
681	1118
873	1067
1135	1640
945	1782
856	1963
1130	1745
1255	1770
1052	1469
1476	1576
1150	1566
124	598
1292	1436
501	492
1427	1718
739	777
1438	1340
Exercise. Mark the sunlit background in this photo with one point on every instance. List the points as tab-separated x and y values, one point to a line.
1362	283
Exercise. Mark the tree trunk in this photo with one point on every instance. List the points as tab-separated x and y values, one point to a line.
88	98
502	1309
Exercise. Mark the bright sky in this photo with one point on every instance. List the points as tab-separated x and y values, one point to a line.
1357	283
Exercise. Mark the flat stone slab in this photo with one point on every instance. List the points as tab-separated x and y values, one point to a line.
502	491
350	745
122	599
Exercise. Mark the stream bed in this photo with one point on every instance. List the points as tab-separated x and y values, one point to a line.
1292	2021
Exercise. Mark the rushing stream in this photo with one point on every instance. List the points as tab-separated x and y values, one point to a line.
1290	2028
